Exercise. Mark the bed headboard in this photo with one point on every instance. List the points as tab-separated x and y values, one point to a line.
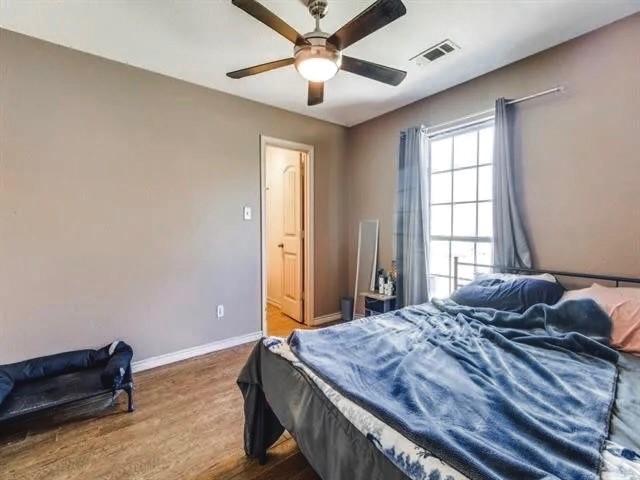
557	273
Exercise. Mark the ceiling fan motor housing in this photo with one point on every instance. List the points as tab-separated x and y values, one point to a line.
318	8
318	47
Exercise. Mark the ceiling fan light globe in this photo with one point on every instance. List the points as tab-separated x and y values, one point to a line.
317	69
317	63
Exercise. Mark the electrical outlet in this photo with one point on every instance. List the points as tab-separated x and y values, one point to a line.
220	311
247	213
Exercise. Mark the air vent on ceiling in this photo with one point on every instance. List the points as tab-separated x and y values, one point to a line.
432	54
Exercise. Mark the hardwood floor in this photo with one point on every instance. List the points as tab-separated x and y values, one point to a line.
188	425
279	325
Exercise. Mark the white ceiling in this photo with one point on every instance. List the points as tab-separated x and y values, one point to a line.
200	40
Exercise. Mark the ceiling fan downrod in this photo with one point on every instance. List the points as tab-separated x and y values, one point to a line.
318	10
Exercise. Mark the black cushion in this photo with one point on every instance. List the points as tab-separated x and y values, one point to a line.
57	364
6	385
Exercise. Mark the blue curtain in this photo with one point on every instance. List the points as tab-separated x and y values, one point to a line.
412	218
510	246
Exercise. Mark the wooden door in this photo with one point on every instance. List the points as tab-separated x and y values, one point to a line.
292	265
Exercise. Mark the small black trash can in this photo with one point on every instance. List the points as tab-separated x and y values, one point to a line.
347	308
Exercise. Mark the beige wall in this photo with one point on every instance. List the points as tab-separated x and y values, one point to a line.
579	151
121	195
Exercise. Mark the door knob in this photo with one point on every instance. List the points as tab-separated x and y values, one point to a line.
281	245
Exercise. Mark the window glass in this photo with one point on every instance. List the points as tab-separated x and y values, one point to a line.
485	183
441	154
439	257
439	287
441	187
464	185
485	150
465	252
485	219
441	220
464	220
484	255
465	149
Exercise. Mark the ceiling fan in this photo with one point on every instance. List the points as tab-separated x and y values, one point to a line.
317	55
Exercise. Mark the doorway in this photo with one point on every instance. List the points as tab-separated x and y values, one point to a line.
287	240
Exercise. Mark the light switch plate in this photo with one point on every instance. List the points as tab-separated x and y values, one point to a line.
247	213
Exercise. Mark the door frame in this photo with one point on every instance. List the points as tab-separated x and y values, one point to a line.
308	224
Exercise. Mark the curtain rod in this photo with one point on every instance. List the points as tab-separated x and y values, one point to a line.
484	115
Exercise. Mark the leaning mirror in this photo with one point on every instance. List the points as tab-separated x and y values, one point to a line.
366	264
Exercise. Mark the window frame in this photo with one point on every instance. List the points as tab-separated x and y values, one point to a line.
450	239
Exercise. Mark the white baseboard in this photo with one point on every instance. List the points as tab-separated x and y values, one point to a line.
331	317
165	359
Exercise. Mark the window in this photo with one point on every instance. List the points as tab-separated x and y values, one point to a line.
460	205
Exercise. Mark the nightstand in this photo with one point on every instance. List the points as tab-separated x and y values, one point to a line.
377	303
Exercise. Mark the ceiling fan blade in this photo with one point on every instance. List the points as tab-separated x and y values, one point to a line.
316	93
391	76
264	67
368	21
270	19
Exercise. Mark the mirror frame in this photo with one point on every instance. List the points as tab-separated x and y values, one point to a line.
374	266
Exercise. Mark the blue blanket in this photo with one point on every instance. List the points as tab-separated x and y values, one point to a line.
496	395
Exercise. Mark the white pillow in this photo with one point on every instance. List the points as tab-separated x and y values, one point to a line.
547	277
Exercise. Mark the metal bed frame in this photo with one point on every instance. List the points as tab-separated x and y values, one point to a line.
558	273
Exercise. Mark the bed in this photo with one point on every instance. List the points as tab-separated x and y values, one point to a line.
351	431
